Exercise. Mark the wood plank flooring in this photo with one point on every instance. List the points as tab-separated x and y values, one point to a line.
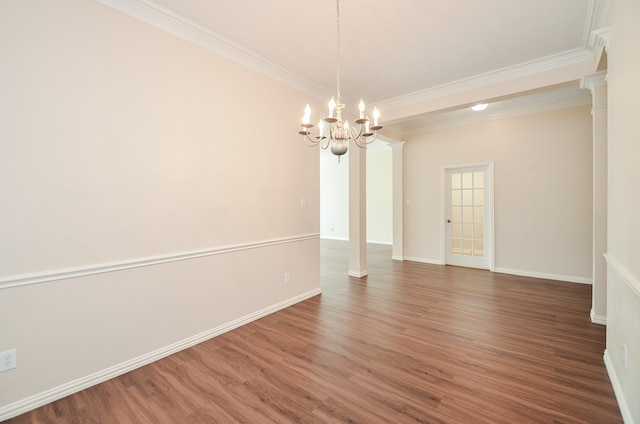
410	343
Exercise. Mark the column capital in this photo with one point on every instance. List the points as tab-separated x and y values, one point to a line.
592	81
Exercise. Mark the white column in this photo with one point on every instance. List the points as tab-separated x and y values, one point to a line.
598	86
398	211
357	211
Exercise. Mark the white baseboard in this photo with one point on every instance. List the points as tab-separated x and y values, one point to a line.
424	260
567	278
358	274
617	390
382	242
597	319
334	238
48	396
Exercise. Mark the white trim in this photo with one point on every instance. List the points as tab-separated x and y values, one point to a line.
627	418
166	20
357	274
590	82
334	238
596	17
423	260
397	258
488	167
626	276
526	69
545	276
511	112
601	38
61	274
598	319
48	396
384	243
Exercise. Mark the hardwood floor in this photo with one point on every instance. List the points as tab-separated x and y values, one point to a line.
411	343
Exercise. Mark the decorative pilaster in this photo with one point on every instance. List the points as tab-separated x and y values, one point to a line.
398	210
357	211
597	83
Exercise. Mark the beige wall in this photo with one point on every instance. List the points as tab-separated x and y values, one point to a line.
623	256
543	181
379	195
128	150
334	195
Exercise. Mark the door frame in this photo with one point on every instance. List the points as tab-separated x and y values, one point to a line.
489	217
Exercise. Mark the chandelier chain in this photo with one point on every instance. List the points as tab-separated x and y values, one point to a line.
338	49
333	130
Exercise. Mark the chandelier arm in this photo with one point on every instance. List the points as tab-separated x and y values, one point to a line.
309	141
325	143
363	141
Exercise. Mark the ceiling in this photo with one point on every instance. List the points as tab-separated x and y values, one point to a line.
393	49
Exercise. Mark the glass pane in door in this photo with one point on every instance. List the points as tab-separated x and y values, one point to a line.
467	213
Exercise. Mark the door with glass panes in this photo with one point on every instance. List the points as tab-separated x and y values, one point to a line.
468	210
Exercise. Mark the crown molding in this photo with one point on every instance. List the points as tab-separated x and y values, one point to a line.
166	20
527	69
589	82
600	38
596	18
511	112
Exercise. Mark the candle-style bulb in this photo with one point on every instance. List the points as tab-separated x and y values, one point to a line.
307	115
332	106
361	107
376	116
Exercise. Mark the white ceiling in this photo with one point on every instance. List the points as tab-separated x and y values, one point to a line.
390	49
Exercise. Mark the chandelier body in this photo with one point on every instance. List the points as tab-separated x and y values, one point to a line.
335	132
332	130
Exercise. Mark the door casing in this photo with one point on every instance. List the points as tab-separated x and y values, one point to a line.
489	211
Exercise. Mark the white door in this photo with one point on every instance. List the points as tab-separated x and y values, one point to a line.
469	217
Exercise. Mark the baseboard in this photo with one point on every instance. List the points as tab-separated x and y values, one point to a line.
617	390
358	274
424	260
334	238
48	396
381	242
597	319
567	278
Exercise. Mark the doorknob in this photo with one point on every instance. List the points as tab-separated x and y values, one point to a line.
449	221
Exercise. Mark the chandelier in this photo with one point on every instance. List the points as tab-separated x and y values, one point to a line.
332	130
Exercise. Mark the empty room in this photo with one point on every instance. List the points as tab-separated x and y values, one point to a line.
319	212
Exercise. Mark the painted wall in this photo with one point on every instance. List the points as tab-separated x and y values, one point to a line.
148	197
623	256
334	195
379	195
543	181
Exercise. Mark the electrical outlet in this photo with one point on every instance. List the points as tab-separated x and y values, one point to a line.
287	278
625	355
8	360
